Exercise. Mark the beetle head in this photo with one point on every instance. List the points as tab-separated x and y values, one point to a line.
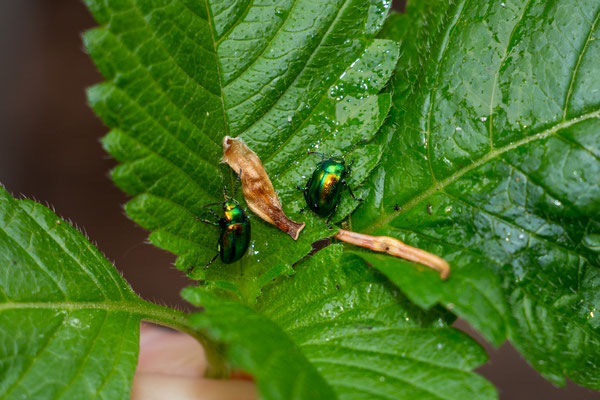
229	204
339	160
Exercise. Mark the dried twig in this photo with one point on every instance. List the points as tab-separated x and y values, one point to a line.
395	248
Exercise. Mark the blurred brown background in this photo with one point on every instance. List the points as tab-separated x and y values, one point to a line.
49	151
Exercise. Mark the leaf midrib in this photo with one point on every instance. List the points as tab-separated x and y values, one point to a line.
444	48
578	64
209	19
83	363
440	185
140	308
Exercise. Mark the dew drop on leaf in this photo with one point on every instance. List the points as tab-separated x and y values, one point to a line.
592	241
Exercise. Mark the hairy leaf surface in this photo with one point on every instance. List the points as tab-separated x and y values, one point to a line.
69	323
493	161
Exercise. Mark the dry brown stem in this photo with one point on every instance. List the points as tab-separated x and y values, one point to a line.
395	248
257	187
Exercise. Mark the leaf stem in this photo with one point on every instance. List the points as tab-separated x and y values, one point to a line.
147	311
218	367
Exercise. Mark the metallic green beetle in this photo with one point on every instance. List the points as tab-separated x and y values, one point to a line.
235	229
324	188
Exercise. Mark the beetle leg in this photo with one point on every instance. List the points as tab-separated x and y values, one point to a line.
207	221
350	190
302	209
191	268
350	165
329	218
213	213
211	261
300	188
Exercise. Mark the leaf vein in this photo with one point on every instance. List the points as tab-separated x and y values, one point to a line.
578	65
283	92
444	47
33	359
386	373
497	74
84	361
35	262
486	158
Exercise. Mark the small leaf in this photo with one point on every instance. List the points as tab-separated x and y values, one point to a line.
69	322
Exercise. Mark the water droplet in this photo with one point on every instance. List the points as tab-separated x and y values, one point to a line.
557	203
458	128
483	119
503	4
289	118
592	241
592	314
382	378
448	209
75	322
439	346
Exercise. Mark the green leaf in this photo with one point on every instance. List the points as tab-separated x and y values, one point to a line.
286	77
69	322
493	158
259	346
346	324
490	153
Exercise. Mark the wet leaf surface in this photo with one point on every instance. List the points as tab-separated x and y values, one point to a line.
286	78
493	161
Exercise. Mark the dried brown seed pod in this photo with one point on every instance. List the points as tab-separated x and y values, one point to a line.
257	187
395	248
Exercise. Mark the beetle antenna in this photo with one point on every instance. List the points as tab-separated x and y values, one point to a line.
211	204
225	192
317	152
353	147
237	183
